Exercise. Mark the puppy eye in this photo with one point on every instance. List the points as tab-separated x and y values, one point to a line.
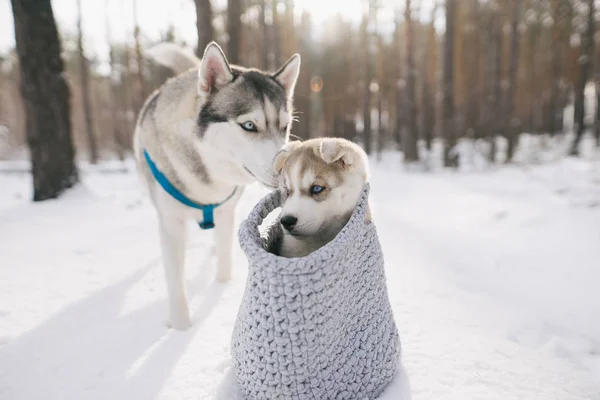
249	126
316	189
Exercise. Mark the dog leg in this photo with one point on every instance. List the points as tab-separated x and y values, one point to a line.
224	232
172	238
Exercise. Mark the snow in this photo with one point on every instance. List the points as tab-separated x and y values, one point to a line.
493	276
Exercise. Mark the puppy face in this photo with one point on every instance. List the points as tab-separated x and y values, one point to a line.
321	181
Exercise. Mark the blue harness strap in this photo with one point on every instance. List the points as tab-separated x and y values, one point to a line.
208	217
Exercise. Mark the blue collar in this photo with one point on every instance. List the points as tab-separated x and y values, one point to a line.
208	220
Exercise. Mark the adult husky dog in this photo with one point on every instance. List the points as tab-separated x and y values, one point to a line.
198	140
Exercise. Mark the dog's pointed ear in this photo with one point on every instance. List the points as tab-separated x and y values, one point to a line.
335	150
288	75
283	155
214	71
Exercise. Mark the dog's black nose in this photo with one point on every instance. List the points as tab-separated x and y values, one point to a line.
288	222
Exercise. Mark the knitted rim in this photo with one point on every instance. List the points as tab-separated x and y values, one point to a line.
253	243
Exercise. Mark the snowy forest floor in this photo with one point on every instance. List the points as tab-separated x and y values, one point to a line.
493	276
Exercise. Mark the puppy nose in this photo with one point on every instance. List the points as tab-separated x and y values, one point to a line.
288	221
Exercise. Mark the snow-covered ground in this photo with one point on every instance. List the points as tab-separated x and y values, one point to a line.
494	278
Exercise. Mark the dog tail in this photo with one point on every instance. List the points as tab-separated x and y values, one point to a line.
173	56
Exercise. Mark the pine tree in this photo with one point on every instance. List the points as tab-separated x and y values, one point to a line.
450	160
585	61
85	86
411	152
234	30
46	97
204	26
513	123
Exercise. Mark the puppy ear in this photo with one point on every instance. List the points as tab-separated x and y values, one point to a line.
288	75
335	150
283	155
214	71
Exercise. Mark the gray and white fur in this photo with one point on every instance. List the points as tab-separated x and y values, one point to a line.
321	181
210	129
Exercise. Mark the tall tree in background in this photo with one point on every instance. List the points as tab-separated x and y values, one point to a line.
428	87
585	61
368	75
234	30
498	59
85	87
411	152
471	38
449	132
399	83
46	97
288	32
264	33
139	59
204	17
534	29
597	84
303	93
275	34
556	66
382	82
512	129
113	97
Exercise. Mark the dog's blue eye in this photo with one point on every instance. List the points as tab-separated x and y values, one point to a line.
316	189
249	126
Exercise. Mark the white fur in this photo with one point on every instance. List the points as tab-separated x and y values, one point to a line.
172	56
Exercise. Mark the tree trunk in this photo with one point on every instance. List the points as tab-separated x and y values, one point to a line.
367	134
289	34
513	125
368	77
275	36
398	85
429	66
265	34
204	17
450	160
139	61
597	86
85	87
533	74
473	59
556	70
234	30
380	128
113	97
46	98
597	123
381	94
411	152
585	61
498	60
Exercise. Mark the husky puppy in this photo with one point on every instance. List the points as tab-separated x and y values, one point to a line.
205	134
321	181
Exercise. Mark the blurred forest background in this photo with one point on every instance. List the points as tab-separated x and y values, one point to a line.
403	75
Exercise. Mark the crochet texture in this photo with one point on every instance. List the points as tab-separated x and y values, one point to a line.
316	327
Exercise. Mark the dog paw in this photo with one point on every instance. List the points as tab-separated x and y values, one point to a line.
223	271
223	276
180	322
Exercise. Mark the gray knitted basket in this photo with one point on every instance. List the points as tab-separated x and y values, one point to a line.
318	327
